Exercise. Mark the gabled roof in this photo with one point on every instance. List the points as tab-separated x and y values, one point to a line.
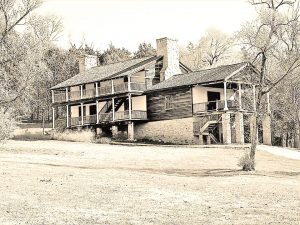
220	73
106	72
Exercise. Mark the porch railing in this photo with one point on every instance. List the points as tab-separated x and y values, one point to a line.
75	121
74	95
60	97
104	90
91	119
123	87
214	106
89	93
123	115
138	86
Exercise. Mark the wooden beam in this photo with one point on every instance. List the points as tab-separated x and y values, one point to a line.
225	96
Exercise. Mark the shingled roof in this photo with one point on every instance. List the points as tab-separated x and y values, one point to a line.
105	72
216	74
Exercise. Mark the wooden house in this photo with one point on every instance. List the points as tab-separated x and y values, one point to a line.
159	98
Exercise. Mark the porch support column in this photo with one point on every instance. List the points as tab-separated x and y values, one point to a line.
225	96
208	139
129	83
97	111
226	129
130	106
53	117
252	122
96	86
114	131
254	98
67	115
81	108
266	124
130	131
239	128
67	94
52	93
240	96
81	92
113	109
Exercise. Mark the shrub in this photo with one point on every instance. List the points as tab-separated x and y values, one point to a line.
69	135
246	163
7	125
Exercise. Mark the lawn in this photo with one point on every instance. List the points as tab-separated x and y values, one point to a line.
53	182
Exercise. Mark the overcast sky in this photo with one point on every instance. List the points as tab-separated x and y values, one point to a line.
126	23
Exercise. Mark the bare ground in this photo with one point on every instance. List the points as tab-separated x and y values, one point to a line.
53	182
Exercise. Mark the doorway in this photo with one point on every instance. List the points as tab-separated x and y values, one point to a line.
212	97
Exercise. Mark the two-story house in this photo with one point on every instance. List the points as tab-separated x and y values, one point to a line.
158	98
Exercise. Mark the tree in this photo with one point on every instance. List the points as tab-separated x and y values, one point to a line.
144	50
211	50
114	54
22	52
272	42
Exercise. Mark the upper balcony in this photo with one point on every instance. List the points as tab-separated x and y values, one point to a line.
109	88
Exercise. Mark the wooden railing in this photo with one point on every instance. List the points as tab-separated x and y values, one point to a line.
89	93
139	114
91	119
123	87
138	86
75	121
104	90
74	95
214	106
59	97
203	120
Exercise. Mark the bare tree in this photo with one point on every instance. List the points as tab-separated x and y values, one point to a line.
211	50
272	41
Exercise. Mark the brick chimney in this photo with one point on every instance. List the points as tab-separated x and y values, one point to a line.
168	48
86	62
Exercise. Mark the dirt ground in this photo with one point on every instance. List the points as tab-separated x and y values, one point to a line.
53	182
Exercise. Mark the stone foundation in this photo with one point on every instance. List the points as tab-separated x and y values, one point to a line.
177	131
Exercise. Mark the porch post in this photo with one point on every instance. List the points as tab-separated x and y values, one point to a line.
67	94
113	108
67	116
129	83
97	111
254	98
53	118
97	94
112	86
240	96
81	113
52	92
81	91
130	105
225	96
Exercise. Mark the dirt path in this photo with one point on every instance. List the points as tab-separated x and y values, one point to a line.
53	182
291	154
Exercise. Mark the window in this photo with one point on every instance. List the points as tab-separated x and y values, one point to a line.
169	102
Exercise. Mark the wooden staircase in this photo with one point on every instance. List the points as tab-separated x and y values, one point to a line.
206	125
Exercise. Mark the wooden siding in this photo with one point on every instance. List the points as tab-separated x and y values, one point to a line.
182	104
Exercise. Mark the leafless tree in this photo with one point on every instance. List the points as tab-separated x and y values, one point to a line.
273	42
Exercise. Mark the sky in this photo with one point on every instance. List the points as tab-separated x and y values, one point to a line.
126	23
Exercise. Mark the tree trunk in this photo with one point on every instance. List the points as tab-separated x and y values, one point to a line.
297	136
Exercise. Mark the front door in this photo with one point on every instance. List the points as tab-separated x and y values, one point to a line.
212	97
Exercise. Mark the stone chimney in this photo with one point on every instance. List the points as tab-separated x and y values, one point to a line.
86	62
168	48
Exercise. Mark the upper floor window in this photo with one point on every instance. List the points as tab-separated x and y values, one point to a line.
169	102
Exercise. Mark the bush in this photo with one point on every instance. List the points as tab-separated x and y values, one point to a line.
69	135
7	125
246	163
